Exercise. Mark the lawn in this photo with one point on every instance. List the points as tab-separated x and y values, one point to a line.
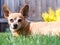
8	39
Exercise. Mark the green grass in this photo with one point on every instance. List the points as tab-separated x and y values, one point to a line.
8	39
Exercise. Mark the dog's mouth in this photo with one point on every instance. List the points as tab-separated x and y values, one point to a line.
15	27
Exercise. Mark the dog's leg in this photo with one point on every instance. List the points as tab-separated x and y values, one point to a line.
16	34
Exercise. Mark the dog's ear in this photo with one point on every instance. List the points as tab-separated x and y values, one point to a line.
6	11
25	11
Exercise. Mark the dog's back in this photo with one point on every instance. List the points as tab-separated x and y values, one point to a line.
45	28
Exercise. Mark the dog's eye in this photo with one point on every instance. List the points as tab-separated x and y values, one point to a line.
19	20
11	20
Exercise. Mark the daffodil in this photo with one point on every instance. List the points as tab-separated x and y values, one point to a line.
58	15
50	16
45	17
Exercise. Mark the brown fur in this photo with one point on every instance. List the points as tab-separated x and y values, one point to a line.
29	28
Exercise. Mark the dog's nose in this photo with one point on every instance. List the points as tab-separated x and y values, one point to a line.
15	26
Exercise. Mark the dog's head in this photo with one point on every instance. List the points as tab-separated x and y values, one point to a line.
16	20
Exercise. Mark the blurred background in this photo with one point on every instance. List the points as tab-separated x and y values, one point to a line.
36	8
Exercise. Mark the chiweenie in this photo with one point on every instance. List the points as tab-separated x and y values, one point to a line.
19	25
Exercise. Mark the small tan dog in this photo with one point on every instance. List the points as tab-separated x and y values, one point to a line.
19	25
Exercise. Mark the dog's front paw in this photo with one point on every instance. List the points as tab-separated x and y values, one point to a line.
15	34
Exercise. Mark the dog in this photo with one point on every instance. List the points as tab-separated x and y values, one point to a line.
20	26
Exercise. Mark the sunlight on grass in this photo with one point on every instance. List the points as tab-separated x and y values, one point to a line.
8	39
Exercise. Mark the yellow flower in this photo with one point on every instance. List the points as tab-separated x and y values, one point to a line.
50	16
51	12
45	16
58	15
58	12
